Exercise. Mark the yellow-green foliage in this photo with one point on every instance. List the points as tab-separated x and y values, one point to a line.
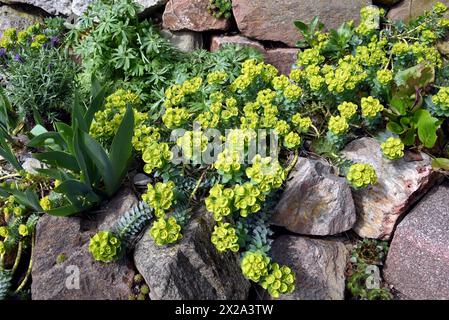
361	175
104	246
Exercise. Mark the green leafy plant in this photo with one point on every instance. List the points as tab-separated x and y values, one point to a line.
363	281
34	60
220	8
363	79
117	46
86	171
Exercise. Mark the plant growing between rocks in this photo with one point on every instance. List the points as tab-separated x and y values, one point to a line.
35	61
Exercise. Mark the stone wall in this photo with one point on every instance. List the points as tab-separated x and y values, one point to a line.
267	25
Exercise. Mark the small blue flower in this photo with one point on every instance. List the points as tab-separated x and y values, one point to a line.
2	52
54	41
17	58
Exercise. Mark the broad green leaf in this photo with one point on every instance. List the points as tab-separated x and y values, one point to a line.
65	211
38	130
419	76
304	28
427	127
409	137
400	104
395	127
440	163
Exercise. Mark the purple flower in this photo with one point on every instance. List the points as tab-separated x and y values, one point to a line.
2	52
54	41
17	58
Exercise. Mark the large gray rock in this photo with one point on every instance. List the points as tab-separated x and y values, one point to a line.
51	6
186	41
192	268
319	266
400	184
418	260
274	20
61	253
316	201
80	6
18	19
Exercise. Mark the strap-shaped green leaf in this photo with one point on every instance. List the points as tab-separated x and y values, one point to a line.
121	148
41	140
101	160
98	93
58	159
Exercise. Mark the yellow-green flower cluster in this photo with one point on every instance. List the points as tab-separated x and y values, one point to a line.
393	148
309	57
193	143
292	92
217	77
303	124
165	232
373	54
441	100
347	110
220	201
282	128
280	83
9	38
104	246
371	107
145	136
45	203
23	230
280	280
251	69
427	54
292	140
266	173
428	36
361	175
237	139
228	162
384	77
255	266
175	95
175	117
247	198
338	125
39	41
156	155
107	121
346	76
369	20
160	197
11	208
4	232
439	8
225	238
